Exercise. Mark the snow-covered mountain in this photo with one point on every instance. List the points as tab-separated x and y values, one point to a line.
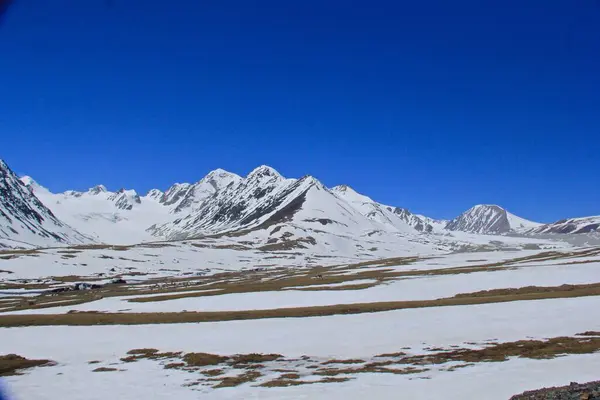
572	225
395	218
490	220
24	220
111	217
273	210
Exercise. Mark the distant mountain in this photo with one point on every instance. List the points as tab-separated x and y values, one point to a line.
571	226
490	220
266	207
395	218
111	217
24	220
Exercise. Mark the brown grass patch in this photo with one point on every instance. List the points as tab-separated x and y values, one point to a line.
203	359
213	372
105	369
534	349
174	365
12	364
281	382
232	381
344	362
94	362
144	352
398	354
369	368
290	376
151	354
254	358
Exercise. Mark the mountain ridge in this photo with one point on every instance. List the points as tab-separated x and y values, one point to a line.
223	202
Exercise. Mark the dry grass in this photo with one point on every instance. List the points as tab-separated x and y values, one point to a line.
534	349
203	359
105	369
152	354
232	381
91	318
398	354
12	364
282	382
343	362
254	358
290	376
213	372
174	365
530	290
370	368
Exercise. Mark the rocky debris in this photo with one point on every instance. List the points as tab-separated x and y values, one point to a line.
574	391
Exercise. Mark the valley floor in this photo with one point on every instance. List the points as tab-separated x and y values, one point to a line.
469	325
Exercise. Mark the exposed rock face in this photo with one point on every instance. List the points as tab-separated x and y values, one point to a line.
485	219
23	217
573	225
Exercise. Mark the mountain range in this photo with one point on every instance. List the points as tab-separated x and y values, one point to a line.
263	207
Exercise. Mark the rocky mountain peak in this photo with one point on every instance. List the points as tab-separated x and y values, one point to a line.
155	194
97	189
264	171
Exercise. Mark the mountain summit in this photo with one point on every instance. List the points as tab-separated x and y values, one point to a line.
489	219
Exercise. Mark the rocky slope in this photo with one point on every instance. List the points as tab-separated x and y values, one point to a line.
489	220
570	226
25	220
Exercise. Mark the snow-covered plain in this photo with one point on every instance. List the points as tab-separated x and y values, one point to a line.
355	336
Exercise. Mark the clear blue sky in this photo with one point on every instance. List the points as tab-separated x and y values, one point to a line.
431	105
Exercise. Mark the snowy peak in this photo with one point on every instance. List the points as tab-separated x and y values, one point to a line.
97	190
125	199
154	194
351	195
32	185
571	226
221	178
25	219
394	218
264	172
175	193
489	219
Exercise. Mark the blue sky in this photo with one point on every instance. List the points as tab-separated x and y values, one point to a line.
430	105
